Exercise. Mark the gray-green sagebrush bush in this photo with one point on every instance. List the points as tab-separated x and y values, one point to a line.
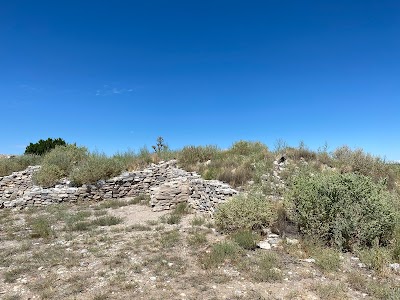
59	163
251	212
343	210
96	167
17	163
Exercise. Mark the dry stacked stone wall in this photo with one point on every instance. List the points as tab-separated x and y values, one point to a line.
165	183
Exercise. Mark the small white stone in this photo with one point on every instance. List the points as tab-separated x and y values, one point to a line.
292	241
264	245
395	267
153	278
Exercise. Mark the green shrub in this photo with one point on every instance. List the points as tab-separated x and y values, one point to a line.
94	168
376	258
252	212
396	243
43	146
41	227
197	239
191	155
219	253
345	210
247	148
331	291
59	163
302	151
245	239
357	161
237	176
66	157
170	239
198	221
327	259
17	163
48	175
173	219
268	268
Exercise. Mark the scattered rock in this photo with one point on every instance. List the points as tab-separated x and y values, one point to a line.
264	245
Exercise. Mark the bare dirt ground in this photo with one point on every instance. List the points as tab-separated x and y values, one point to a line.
125	251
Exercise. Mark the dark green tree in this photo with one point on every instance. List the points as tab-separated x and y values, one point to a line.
44	146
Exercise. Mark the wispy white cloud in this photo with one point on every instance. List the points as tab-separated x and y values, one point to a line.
108	91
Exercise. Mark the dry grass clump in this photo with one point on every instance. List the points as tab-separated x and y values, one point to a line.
243	162
96	167
221	252
17	163
357	161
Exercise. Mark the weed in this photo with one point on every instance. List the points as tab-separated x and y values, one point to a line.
113	204
80	226
170	239
18	163
140	199
12	297
152	222
140	227
330	291
197	221
268	268
41	227
197	239
219	253
376	258
13	274
107	221
251	212
181	209
327	259
245	239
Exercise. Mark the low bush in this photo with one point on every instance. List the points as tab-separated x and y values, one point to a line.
245	239
219	253
343	210
237	176
41	227
191	155
327	259
59	163
252	212
301	152
268	264
197	239
357	161
376	258
48	175
94	168
247	148
17	163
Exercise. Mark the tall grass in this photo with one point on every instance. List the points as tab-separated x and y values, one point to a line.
17	163
96	166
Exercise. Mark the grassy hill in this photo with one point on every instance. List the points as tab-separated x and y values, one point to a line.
331	219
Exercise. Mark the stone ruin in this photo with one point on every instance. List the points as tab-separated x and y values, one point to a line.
165	183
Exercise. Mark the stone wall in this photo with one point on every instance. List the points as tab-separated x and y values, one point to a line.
166	184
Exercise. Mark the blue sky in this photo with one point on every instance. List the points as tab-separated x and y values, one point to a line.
114	75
